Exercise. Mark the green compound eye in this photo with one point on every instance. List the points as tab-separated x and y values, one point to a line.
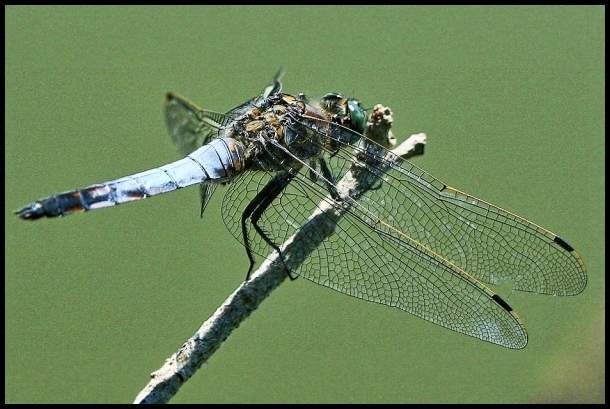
357	115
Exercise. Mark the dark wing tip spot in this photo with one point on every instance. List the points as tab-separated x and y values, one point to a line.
501	302
419	149
563	244
169	96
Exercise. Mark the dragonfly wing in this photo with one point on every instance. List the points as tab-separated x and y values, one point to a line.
371	263
206	190
493	244
490	243
189	125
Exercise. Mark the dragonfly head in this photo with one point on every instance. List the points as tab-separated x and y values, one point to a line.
349	110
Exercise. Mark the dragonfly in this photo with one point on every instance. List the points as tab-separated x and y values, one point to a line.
409	241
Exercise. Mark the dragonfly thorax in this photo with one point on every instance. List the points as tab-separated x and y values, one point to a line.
264	129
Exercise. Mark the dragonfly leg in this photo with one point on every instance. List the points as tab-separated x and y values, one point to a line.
330	181
255	210
255	217
313	176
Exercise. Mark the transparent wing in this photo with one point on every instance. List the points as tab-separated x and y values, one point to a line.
189	125
490	243
372	263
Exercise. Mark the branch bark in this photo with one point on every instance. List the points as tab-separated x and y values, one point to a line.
183	364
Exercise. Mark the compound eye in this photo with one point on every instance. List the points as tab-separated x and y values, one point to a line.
357	115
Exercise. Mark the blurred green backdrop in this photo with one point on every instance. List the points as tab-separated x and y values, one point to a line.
512	101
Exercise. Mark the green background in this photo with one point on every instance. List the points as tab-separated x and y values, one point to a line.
511	99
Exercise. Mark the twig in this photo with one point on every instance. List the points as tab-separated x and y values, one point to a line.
183	364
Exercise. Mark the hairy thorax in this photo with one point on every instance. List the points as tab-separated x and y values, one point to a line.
270	128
